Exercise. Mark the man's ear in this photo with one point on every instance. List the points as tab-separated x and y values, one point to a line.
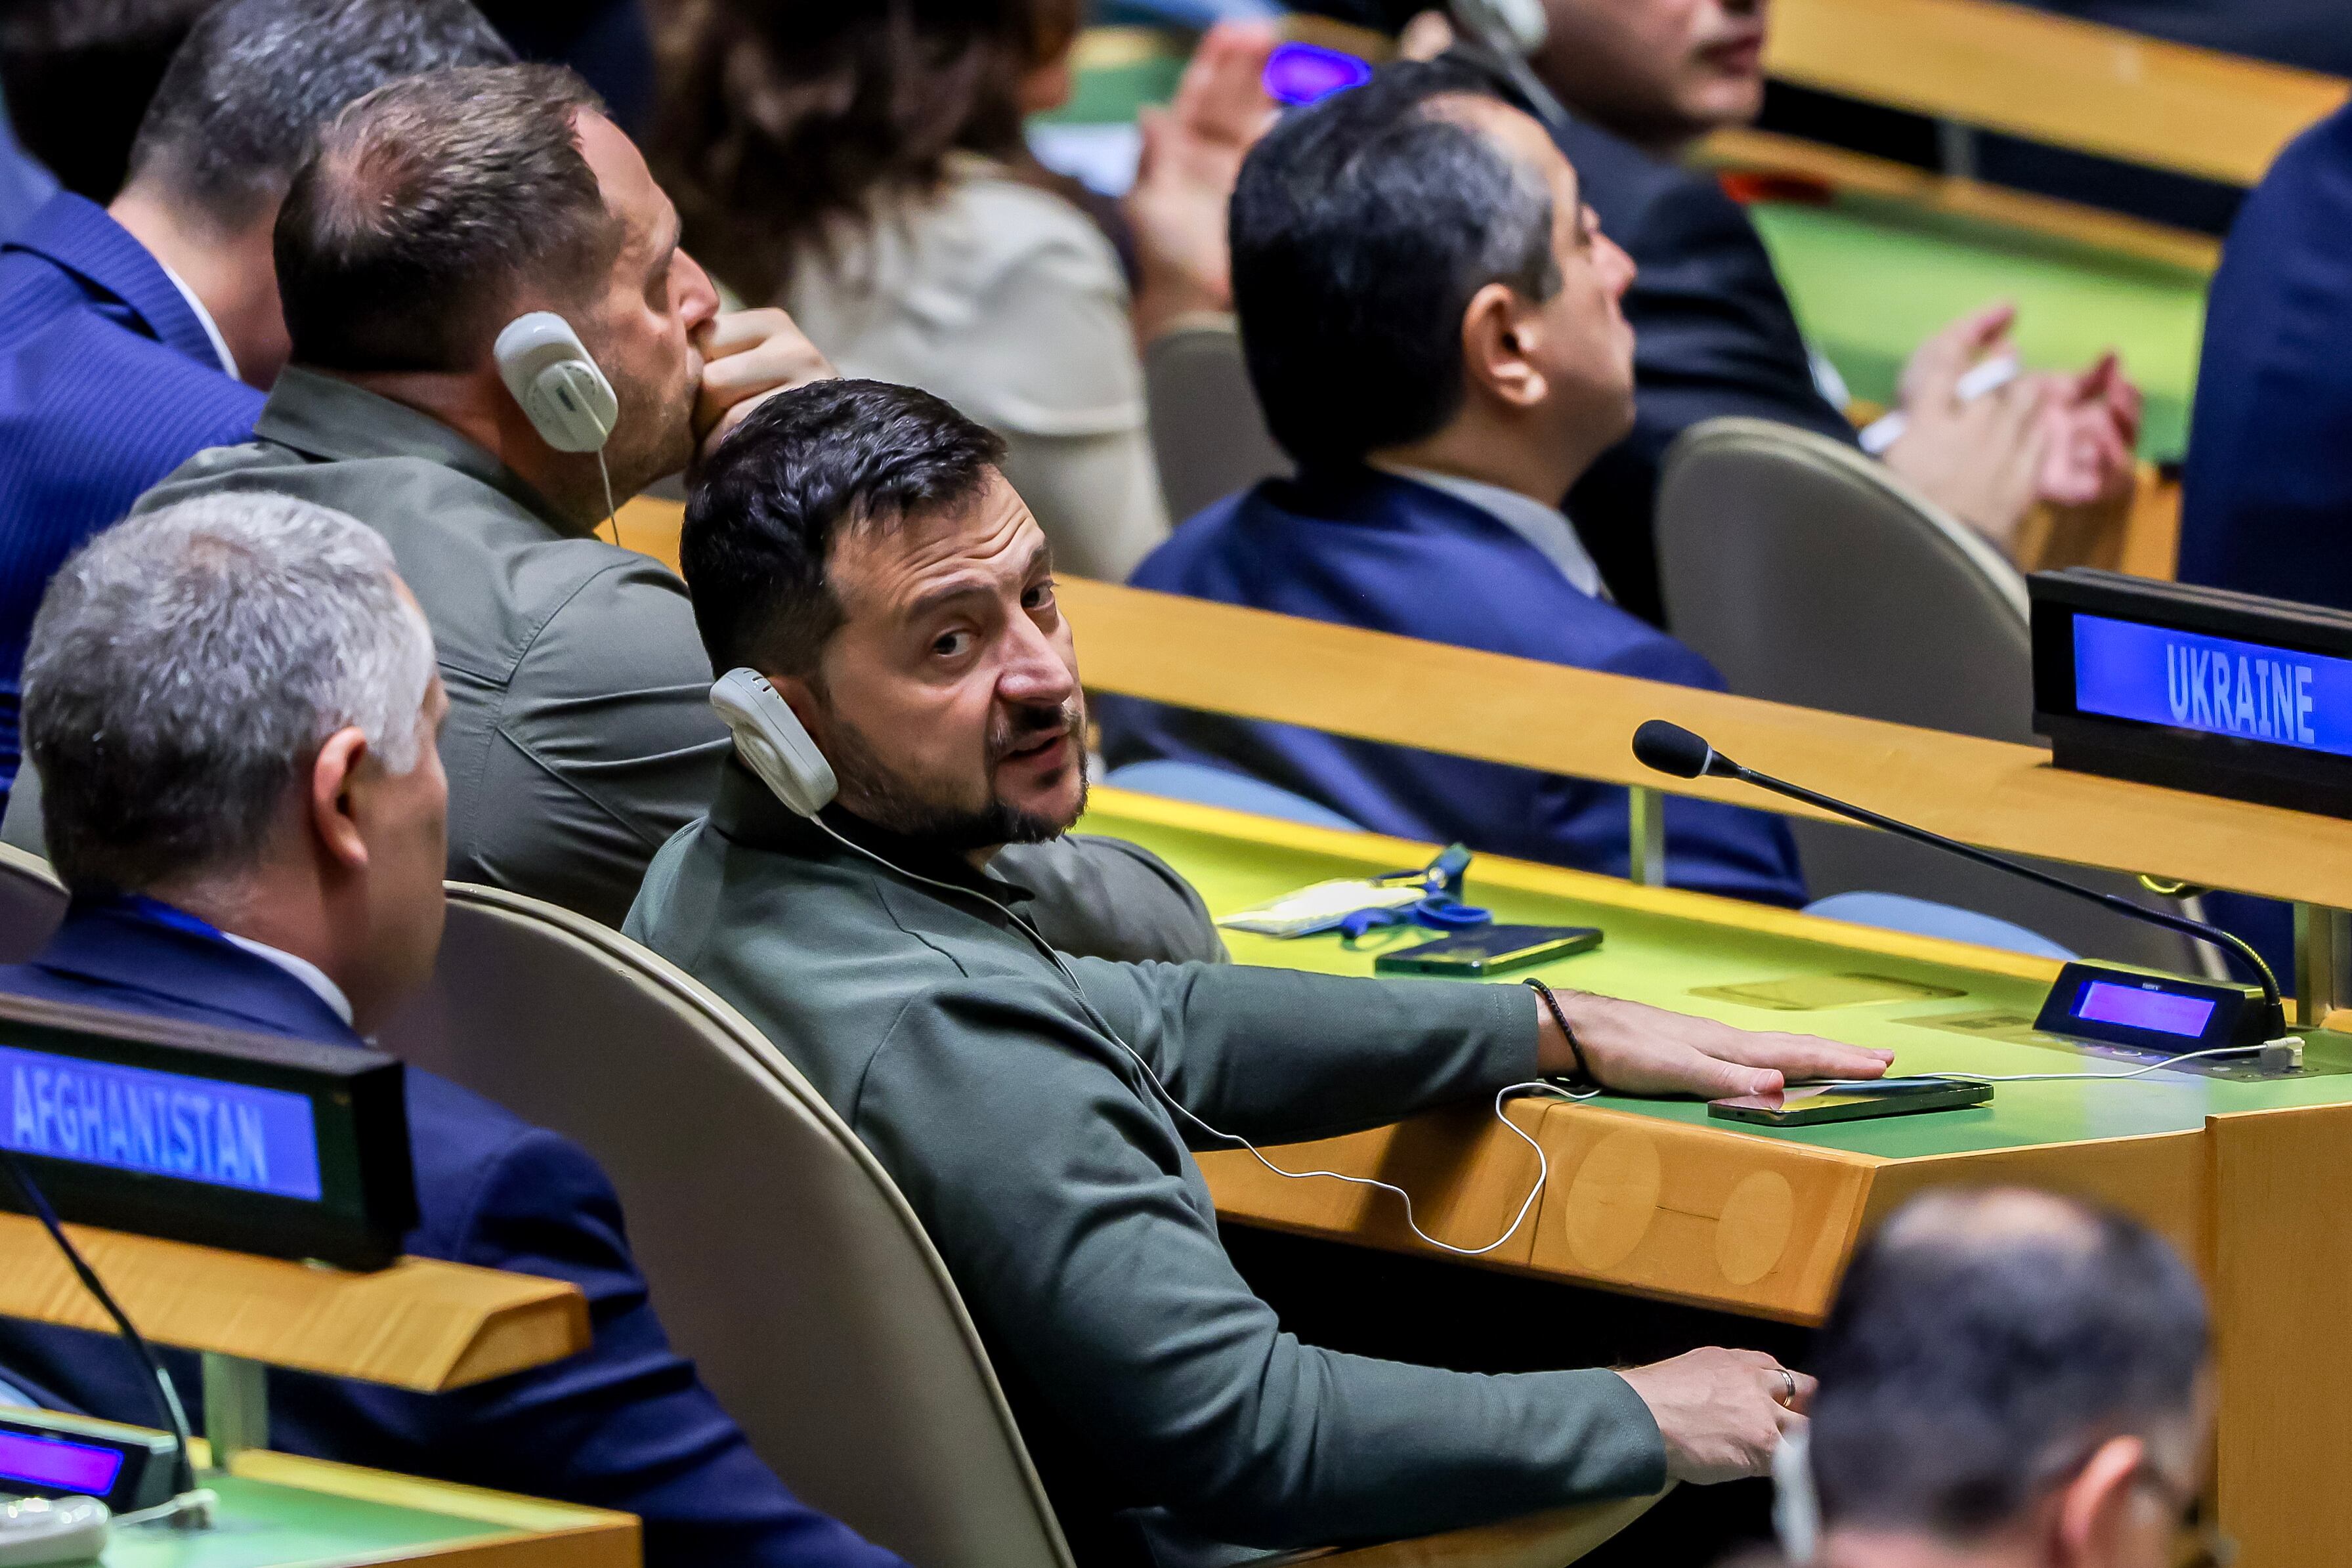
800	697
2091	1510
334	814
1499	340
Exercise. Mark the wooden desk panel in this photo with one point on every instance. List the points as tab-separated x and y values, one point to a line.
421	1325
1374	686
2077	84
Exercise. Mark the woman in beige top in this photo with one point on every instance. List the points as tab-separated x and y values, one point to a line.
864	165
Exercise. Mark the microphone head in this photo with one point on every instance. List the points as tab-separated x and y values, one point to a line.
1672	749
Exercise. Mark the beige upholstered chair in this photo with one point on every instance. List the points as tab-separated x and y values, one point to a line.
781	1258
32	902
1809	574
1206	430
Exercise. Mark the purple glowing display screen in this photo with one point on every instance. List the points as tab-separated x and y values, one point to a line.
54	1464
2156	1011
1302	73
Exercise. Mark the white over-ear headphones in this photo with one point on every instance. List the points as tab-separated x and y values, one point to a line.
772	742
561	389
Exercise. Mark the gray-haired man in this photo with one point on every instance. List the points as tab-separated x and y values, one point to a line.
234	704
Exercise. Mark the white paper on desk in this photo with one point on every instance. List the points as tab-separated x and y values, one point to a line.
1319	907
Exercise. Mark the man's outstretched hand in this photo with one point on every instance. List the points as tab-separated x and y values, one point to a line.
1636	1048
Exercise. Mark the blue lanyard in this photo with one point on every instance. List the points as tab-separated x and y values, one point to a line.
1440	907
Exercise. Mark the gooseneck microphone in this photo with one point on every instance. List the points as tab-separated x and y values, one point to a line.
1671	749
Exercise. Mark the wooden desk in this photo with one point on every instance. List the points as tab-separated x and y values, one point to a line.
1194	653
2077	84
421	1325
1654	1199
279	1511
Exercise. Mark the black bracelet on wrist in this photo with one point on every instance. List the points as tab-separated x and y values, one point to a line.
1560	1017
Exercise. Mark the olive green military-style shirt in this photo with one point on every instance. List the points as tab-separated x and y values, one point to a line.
579	733
1157	1393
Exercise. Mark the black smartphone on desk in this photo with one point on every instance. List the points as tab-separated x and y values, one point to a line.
1812	1105
1489	950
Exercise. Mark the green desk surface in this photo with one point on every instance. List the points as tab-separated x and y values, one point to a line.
1666	958
1871	279
263	1525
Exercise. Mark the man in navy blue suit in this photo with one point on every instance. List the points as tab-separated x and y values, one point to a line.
133	336
2267	504
264	852
1431	317
1641	81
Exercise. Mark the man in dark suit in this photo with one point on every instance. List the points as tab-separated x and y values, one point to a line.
263	853
1643	80
1432	320
2266	505
133	336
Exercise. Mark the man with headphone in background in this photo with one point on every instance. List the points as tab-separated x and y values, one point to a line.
496	340
905	700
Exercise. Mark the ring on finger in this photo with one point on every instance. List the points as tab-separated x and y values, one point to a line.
1790	1396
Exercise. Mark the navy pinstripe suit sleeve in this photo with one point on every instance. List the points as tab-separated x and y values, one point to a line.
106	383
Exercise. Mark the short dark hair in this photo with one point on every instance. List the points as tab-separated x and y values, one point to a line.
781	118
244	98
1361	227
408	233
804	465
1970	1360
78	75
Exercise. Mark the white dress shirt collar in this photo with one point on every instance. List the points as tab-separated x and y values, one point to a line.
203	319
1545	528
302	970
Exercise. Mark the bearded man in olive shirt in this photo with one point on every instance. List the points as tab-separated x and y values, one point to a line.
579	733
856	545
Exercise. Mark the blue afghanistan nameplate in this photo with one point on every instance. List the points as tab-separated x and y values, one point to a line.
165	1123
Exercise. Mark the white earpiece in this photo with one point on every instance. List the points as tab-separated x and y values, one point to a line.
560	386
772	742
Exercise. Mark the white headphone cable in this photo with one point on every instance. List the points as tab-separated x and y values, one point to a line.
612	512
1543	1165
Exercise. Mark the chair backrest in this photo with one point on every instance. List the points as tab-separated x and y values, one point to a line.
1207	432
32	903
781	1256
1809	574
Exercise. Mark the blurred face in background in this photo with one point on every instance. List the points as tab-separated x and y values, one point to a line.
1658	72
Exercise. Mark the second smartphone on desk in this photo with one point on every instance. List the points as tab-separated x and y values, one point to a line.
1489	950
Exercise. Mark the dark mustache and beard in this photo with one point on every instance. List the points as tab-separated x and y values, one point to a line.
889	800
